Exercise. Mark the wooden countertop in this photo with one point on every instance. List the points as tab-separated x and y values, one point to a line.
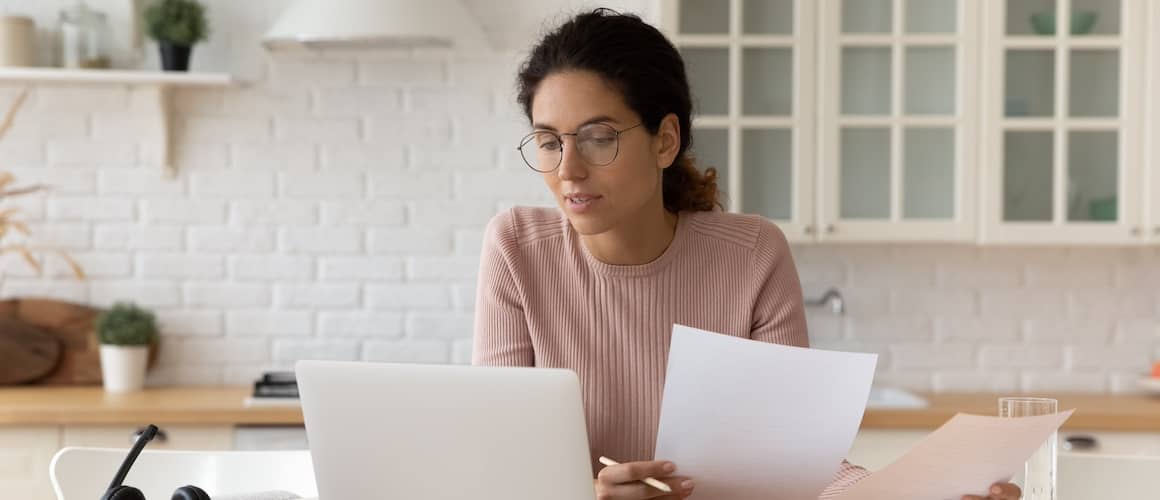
1093	412
225	405
167	405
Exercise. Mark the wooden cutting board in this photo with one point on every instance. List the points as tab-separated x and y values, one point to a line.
72	326
27	352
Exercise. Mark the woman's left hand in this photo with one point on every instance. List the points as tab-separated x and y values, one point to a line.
999	491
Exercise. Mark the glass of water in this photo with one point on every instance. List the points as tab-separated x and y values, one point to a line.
1038	478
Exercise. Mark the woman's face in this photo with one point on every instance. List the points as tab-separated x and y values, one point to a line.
594	197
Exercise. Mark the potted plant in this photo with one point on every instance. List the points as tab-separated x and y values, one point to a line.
176	25
125	332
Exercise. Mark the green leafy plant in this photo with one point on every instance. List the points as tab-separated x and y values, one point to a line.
180	22
126	324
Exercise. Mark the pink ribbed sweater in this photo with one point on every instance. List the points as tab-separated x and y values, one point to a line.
543	300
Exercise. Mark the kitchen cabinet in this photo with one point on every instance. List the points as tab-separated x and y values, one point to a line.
25	452
898	114
1063	121
169	437
930	120
35	422
751	67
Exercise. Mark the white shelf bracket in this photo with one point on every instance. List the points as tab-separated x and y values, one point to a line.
160	98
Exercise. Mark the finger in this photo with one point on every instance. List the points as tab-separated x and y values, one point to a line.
1005	491
635	491
681	486
635	471
973	497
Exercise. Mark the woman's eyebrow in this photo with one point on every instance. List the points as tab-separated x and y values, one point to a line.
597	119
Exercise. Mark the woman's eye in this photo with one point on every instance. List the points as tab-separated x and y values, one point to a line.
550	146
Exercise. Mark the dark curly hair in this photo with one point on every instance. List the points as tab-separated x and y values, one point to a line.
647	70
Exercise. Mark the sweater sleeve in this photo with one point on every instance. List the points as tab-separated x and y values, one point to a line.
501	335
779	317
847	475
778	312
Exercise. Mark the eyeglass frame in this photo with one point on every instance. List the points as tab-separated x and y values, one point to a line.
560	136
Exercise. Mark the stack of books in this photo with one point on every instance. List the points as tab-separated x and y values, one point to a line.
275	389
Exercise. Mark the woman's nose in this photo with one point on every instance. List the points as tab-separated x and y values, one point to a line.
572	166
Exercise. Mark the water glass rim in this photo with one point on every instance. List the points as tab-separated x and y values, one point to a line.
1027	399
1022	406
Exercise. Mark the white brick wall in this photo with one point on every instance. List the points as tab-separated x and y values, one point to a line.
247	213
412	351
316	296
138	237
367	269
219	295
183	211
360	324
269	323
333	207
324	186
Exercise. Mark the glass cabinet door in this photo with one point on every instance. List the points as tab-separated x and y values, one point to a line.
750	65
1064	128
897	108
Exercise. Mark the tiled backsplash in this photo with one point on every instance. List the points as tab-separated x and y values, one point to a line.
333	208
965	318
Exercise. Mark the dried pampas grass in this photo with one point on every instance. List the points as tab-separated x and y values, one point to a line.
9	225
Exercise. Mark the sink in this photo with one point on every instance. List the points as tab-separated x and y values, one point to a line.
894	398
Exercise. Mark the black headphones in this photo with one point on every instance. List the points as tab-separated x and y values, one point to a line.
118	491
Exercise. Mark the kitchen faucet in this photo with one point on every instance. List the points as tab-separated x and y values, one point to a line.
833	298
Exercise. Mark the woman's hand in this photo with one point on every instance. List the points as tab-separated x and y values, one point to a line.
623	482
999	491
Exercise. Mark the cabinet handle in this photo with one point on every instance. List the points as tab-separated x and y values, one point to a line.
1136	231
160	437
1080	443
1156	230
830	229
810	229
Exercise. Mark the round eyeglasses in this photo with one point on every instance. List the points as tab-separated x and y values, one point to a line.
597	143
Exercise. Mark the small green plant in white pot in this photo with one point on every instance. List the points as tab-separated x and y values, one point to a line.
125	332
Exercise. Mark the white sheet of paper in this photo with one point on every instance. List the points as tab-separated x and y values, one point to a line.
751	420
965	456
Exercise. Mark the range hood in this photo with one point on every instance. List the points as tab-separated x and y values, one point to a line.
344	24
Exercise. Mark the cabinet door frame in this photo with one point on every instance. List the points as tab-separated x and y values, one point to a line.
33	445
1151	172
961	228
800	227
1130	42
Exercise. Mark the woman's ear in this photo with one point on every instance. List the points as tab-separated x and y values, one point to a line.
667	142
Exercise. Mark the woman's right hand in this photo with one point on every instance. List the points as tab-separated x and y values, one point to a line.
623	481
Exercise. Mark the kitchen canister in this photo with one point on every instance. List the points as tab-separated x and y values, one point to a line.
17	40
84	37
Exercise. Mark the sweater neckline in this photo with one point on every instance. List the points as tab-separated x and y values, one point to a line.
680	238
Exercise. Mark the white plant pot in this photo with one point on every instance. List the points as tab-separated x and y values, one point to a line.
123	367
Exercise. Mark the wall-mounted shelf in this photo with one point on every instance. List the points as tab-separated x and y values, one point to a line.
158	84
116	77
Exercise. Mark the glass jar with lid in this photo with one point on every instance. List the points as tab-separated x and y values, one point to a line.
84	37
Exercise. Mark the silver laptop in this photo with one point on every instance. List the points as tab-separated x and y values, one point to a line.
438	432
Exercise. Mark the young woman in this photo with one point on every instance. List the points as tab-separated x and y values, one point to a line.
638	243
